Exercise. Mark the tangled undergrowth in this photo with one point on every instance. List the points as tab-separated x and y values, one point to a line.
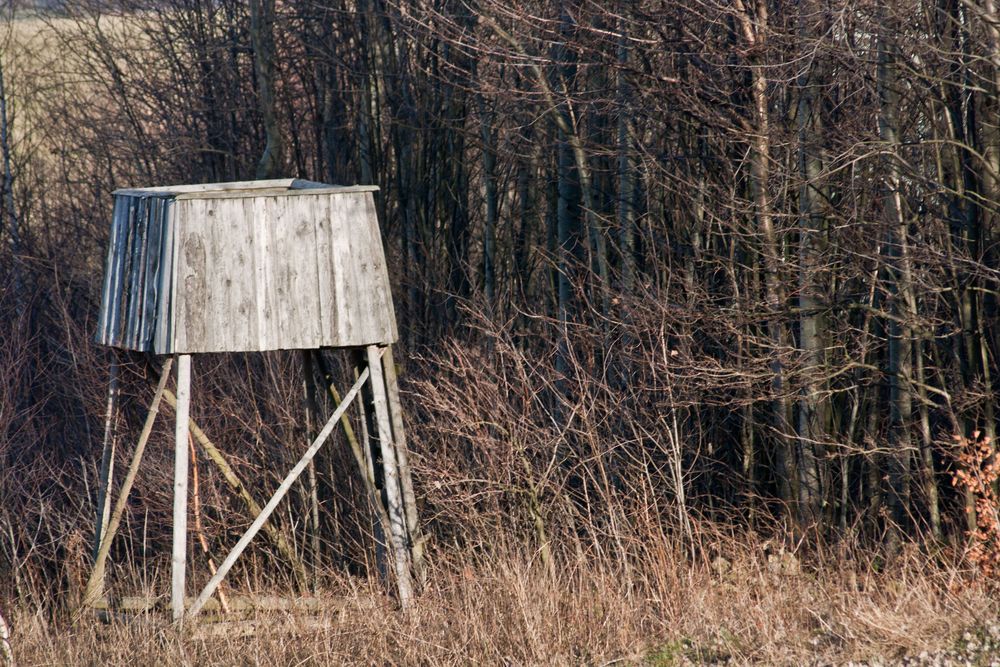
730	603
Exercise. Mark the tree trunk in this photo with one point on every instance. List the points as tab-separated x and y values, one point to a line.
753	28
271	164
902	303
812	422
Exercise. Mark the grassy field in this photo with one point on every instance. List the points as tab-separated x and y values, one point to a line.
750	606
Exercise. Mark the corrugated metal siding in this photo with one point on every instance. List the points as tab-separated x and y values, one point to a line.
131	301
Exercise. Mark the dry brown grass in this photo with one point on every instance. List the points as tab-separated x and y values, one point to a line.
504	609
625	584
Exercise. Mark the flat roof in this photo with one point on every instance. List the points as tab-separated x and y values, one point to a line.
280	186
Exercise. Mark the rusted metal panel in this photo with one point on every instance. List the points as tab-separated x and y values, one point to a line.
247	266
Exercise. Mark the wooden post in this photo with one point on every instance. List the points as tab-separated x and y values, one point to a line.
393	496
107	458
178	561
312	418
405	476
370	451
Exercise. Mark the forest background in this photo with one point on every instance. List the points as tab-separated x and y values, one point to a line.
692	295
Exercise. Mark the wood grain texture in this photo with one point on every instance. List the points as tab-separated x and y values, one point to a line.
248	266
178	560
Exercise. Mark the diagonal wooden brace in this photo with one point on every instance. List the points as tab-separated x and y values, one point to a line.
279	494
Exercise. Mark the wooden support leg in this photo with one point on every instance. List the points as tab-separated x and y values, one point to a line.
107	459
416	538
312	417
394	500
371	452
178	561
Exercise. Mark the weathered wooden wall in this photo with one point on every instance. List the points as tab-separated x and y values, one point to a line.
247	267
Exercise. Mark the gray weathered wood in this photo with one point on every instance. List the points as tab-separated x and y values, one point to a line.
107	458
278	184
178	561
394	501
248	266
279	494
370	452
312	419
199	188
300	192
416	537
312	275
163	324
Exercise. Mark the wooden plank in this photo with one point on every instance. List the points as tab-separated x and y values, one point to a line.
340	250
197	188
354	306
178	561
416	538
387	333
107	457
361	312
234	319
308	212
115	304
204	218
298	278
128	275
193	297
176	294
325	281
235	194
307	192
107	295
312	414
248	303
163	337
370	452
283	263
236	188
394	501
125	249
279	494
137	273
150	292
266	331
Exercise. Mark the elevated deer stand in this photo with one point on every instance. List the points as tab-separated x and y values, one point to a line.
247	267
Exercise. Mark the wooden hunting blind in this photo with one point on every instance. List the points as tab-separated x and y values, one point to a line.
245	267
248	267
